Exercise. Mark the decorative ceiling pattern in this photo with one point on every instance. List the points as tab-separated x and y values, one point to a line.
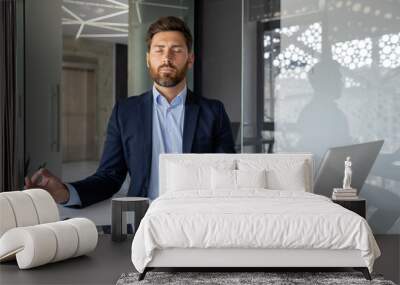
96	18
108	19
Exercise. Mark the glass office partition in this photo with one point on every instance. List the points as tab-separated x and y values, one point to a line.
318	74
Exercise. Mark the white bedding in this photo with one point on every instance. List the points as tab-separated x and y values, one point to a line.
251	218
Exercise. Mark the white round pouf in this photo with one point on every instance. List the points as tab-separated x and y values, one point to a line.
46	207
23	208
87	234
7	218
33	246
31	233
41	244
67	240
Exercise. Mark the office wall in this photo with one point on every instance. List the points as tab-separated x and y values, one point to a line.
79	115
42	72
220	50
101	54
249	78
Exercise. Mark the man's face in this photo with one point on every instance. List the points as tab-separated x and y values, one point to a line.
168	58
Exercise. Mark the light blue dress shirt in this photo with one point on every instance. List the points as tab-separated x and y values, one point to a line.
168	120
74	199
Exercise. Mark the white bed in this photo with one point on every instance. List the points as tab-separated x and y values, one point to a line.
206	219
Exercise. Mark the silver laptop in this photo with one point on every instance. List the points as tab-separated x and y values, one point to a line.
331	171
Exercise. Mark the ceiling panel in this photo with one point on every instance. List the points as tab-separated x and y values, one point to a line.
108	19
100	19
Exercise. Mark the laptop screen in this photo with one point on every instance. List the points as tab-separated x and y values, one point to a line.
331	171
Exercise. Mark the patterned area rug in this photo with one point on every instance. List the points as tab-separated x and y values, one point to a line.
269	278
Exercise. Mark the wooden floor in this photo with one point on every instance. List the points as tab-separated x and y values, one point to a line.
389	262
110	260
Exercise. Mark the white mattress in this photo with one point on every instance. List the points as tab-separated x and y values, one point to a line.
253	218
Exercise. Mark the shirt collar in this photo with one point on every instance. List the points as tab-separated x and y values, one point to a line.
178	100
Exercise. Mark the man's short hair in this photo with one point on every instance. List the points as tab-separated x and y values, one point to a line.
167	24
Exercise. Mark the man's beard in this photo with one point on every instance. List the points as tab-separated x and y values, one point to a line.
168	79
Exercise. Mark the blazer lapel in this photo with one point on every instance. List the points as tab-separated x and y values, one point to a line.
147	125
190	122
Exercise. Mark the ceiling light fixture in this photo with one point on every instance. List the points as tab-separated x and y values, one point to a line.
107	25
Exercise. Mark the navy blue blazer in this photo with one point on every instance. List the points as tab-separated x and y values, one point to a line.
128	145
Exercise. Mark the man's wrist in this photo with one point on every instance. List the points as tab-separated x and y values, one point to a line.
64	195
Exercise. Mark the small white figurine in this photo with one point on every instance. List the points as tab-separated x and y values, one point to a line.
347	174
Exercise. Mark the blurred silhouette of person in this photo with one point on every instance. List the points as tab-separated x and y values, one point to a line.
321	123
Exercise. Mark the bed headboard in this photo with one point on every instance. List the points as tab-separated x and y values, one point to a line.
272	159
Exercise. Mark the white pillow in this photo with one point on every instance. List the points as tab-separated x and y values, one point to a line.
288	179
223	179
196	175
251	178
183	178
282	174
236	179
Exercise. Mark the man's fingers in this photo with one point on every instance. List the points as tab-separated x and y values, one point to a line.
45	172
38	176
44	181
